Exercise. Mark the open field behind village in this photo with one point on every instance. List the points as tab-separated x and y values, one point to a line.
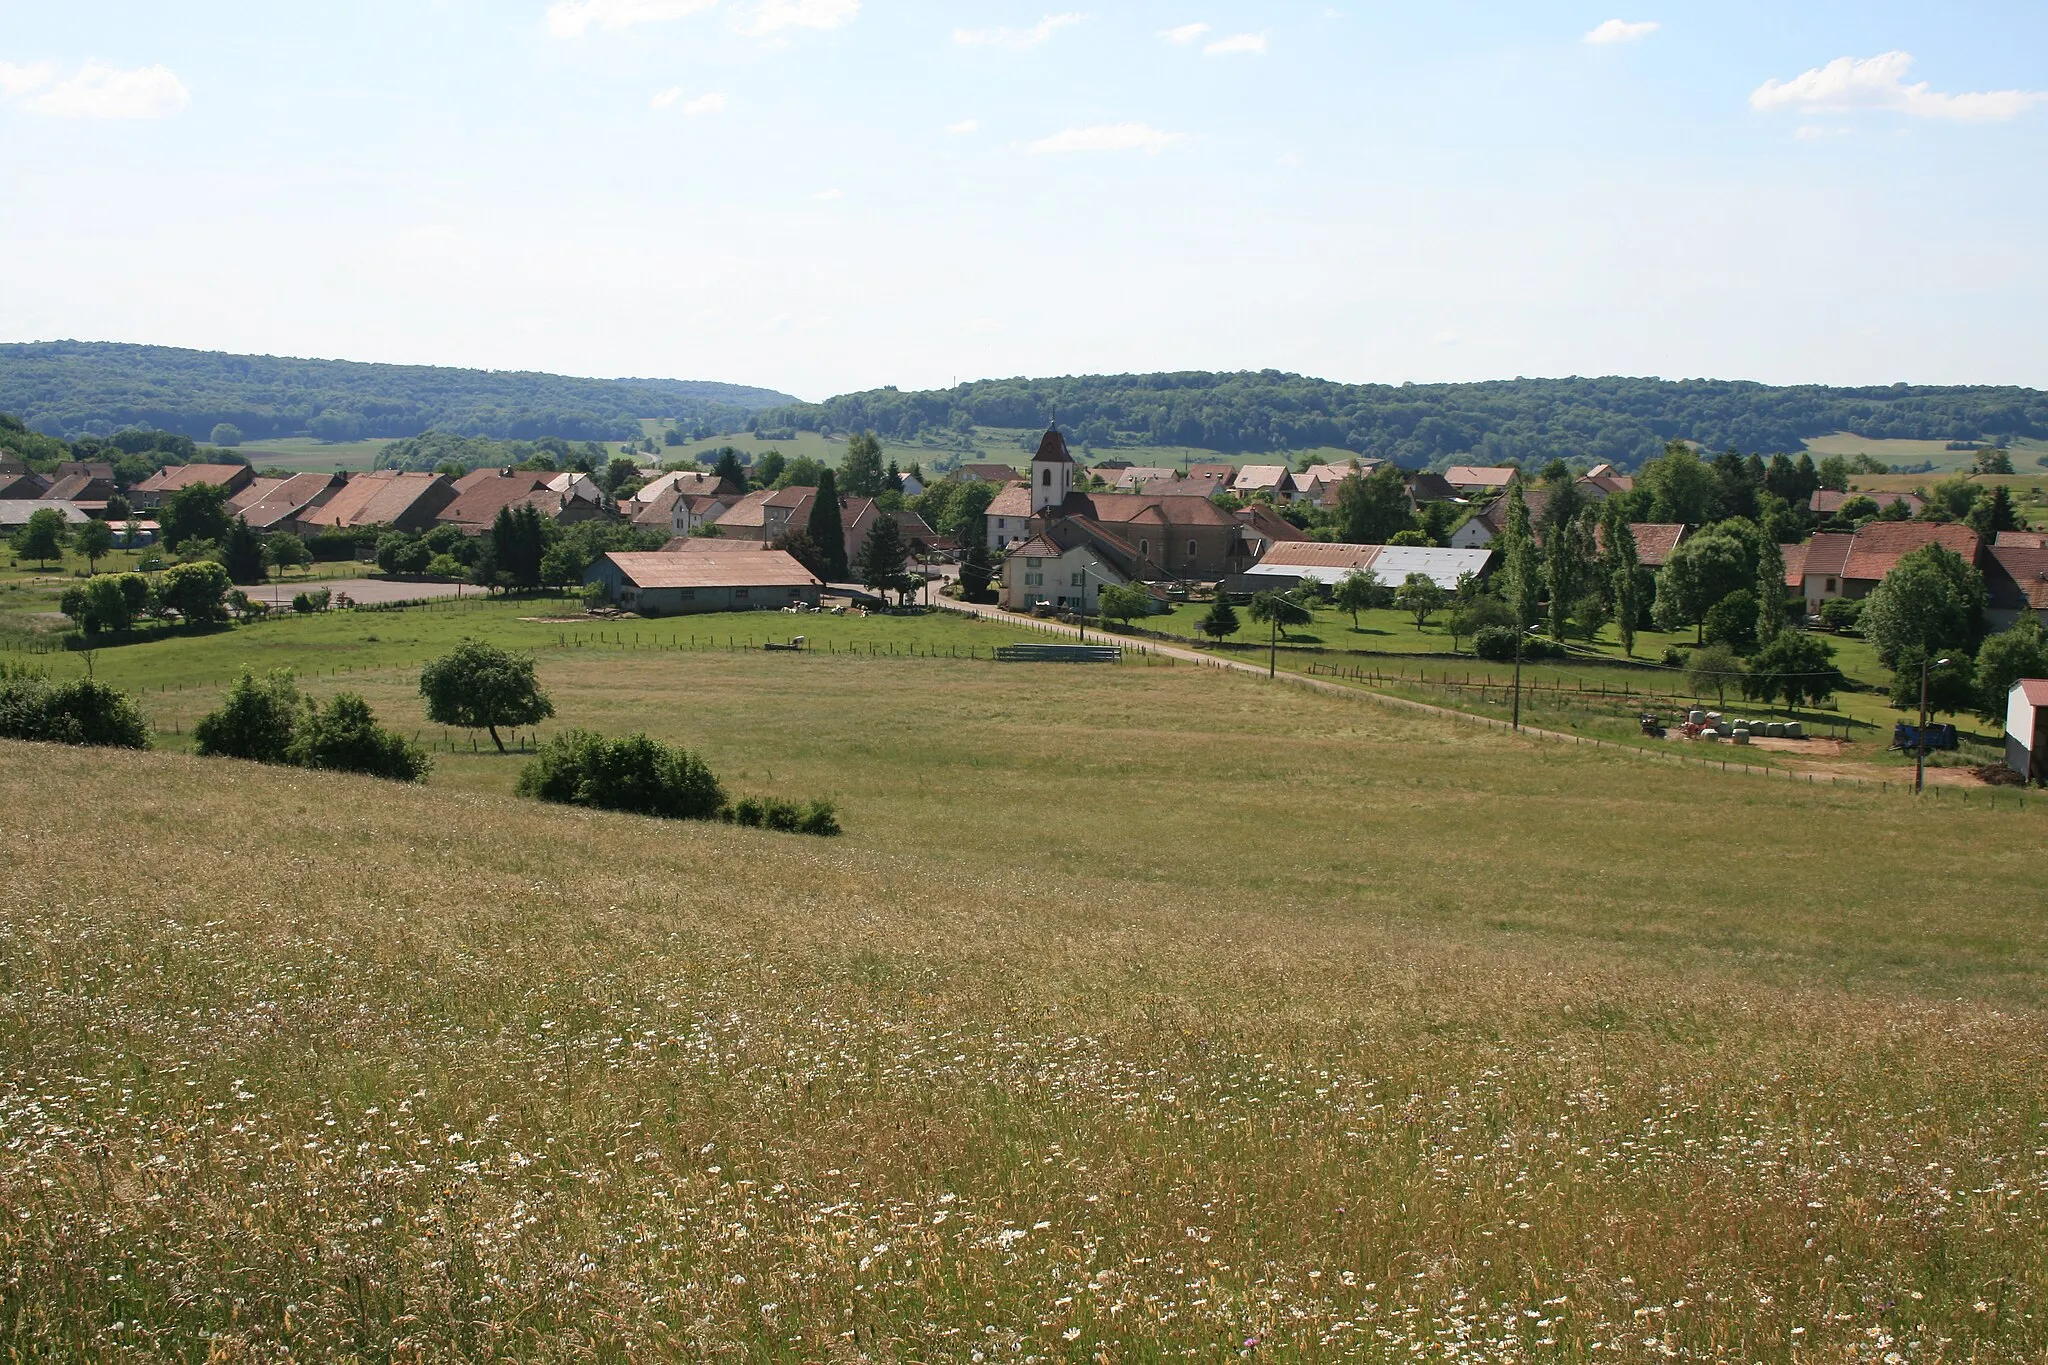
1142	1012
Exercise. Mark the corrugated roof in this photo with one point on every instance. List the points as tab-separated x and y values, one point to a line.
2035	690
758	569
17	511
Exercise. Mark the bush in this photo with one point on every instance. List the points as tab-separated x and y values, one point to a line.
197	592
332	546
636	774
1840	614
78	712
257	722
1732	621
344	737
446	566
787	817
1497	645
315	600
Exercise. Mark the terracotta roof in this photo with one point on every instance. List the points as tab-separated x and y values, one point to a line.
81	488
1795	564
1826	501
279	500
2035	690
687	484
1320	554
10	465
1116	508
1479	476
745	569
22	487
1014	501
1269	523
1128	480
1052	449
1606	484
1826	556
2023	540
92	469
382	497
712	545
656	511
1215	475
1655	541
482	494
2019	577
988	473
1882	544
175	477
1429	488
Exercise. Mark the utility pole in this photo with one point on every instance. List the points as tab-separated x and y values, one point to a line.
1920	746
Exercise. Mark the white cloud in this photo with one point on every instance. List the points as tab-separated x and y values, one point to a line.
1849	85
574	18
1238	45
1016	37
1107	137
964	127
97	90
769	17
19	80
829	194
1622	31
713	103
1185	34
666	98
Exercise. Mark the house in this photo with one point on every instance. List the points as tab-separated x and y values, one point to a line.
1840	565
659	584
1488	479
482	494
767	515
1814	570
15	512
22	487
986	473
1426	487
1067	565
1135	479
1603	480
2016	579
1826	502
1261	528
1208	479
580	487
152	491
81	488
2026	729
678	513
688	484
384	497
912	486
1291	564
1274	480
2023	540
90	469
276	504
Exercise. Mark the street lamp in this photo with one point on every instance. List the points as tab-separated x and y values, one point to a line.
1920	749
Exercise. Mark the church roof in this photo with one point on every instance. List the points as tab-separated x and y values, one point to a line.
1052	449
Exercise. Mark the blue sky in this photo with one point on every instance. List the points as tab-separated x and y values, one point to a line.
824	195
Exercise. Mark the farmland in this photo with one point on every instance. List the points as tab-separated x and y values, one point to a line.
441	1073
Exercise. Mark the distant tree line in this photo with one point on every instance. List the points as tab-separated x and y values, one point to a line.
1531	421
71	388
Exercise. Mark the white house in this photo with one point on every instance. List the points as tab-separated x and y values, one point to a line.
2026	729
1068	564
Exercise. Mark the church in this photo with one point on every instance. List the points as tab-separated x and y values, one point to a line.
1176	536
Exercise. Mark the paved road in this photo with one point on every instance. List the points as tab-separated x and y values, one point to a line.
1196	657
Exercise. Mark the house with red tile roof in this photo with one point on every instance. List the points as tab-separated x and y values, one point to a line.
276	504
2016	580
1826	502
384	497
1838	565
152	491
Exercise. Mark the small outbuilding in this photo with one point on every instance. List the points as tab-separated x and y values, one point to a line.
2026	729
685	584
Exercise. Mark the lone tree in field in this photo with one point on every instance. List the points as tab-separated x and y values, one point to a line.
1360	590
95	541
1420	597
1221	621
42	538
480	687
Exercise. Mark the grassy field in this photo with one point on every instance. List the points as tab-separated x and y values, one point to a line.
1897	452
303	454
1379	1038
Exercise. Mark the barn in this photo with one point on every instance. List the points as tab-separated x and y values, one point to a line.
681	585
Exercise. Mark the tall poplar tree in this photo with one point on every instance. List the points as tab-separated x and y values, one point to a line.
826	528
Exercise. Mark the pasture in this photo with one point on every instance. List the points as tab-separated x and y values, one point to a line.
304	455
1142	1013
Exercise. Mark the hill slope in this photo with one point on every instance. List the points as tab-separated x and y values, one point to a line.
75	388
1533	420
1561	1049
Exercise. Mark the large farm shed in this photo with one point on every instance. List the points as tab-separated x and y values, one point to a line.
679	585
2026	729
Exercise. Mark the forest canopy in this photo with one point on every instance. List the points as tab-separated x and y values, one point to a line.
1624	421
74	389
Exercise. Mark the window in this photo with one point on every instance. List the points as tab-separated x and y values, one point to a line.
1045	478
1079	580
1831	585
1034	580
1191	549
1144	547
739	594
1031	563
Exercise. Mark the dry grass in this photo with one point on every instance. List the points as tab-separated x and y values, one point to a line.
1143	1013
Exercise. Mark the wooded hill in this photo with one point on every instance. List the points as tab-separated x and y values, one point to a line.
1621	420
78	388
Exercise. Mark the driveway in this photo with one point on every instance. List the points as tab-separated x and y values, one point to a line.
372	592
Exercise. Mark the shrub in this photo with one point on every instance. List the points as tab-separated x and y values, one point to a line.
78	712
344	737
1497	645
1732	621
257	722
636	774
1840	614
446	566
819	817
198	592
